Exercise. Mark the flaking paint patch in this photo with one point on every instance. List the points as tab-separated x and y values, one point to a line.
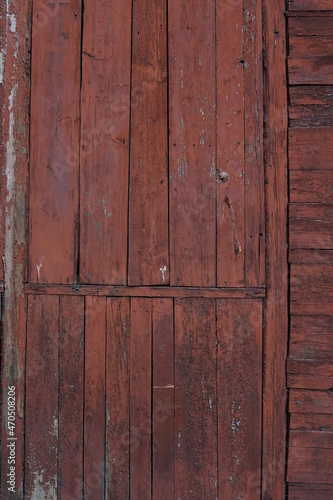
42	489
2	65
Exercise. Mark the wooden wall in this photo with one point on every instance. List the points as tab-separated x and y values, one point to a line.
310	361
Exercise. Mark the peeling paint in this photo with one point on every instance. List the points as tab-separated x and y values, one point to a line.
163	271
2	65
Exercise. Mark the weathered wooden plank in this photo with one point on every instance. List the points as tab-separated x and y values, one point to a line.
94	397
310	5
309	374
311	148
54	157
311	290
311	94
276	196
115	291
311	337
192	143
41	410
310	70
104	154
148	207
239	336
163	400
230	145
311	116
117	399
195	399
310	27
300	256
140	398
310	464
71	391
311	402
311	422
299	491
310	46
311	226
308	439
311	186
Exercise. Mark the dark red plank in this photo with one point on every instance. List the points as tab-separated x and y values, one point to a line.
230	145
195	399
301	256
311	116
148	210
41	409
311	186
311	226
311	422
310	70
239	333
54	152
311	290
310	4
104	155
304	401
94	398
311	148
311	337
192	143
140	398
163	400
311	94
309	374
71	391
117	399
299	491
308	439
310	464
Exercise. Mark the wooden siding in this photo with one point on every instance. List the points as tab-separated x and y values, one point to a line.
310	363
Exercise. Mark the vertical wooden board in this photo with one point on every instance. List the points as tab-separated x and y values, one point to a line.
148	207
195	399
239	361
230	143
254	167
163	400
105	110
54	152
117	399
140	398
71	375
41	411
192	179
94	401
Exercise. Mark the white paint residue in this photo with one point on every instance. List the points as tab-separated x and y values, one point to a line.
12	23
163	271
43	489
39	267
179	436
2	65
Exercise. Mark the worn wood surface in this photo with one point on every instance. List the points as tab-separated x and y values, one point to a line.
306	491
311	94
310	464
104	141
311	148
316	70
311	186
305	401
310	374
311	226
311	290
311	421
310	5
311	337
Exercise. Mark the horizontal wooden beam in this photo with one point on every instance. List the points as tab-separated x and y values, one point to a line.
145	291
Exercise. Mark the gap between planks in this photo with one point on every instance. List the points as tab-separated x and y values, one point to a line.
145	291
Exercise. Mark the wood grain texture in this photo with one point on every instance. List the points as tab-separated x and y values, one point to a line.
310	464
104	153
94	397
311	337
276	306
311	116
301	256
163	400
309	374
311	290
311	94
311	422
71	392
15	38
195	399
140	398
308	439
54	157
41	411
310	5
303	491
117	483
312	402
311	226
239	335
148	206
230	145
311	148
192	96
310	70
311	186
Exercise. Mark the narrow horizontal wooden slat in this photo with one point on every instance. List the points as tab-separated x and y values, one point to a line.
311	46
310	439
311	290
311	422
311	337
301	491
305	401
310	27
311	148
311	226
310	4
310	94
301	256
310	464
311	116
309	374
310	70
311	186
145	291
